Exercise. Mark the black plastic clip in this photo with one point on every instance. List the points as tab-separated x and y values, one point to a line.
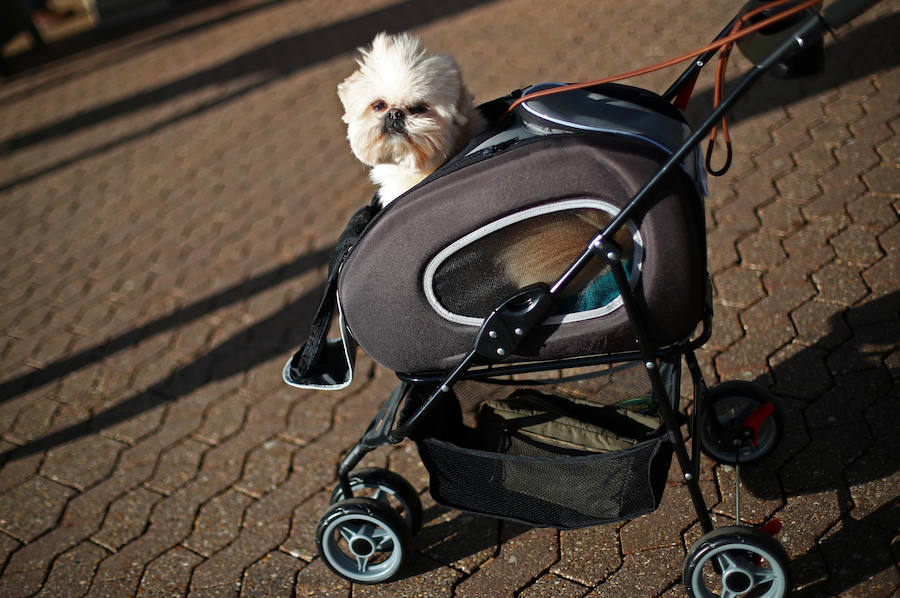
511	321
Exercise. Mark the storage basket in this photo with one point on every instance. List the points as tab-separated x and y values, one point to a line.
511	473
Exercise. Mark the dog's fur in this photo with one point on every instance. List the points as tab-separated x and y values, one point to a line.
544	249
406	111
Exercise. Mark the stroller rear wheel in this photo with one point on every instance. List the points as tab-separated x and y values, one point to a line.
362	540
737	561
740	421
388	488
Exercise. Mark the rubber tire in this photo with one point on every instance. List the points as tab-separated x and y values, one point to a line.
770	433
357	512
393	483
744	538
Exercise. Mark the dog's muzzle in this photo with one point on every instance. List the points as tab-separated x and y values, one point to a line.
394	121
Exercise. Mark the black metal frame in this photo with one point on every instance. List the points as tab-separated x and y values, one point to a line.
512	320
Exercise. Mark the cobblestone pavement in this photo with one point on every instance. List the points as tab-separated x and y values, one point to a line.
169	197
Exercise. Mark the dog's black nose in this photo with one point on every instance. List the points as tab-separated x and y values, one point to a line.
394	121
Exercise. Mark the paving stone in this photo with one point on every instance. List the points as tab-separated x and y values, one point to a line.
218	523
882	425
839	282
404	460
588	555
865	349
798	187
884	180
83	462
873	212
663	527
722	248
301	542
808	319
553	585
889	151
848	401
761	249
7	546
647	573
738	286
73	571
727	328
814	158
780	217
109	588
820	463
17	470
317	580
32	421
273	575
759	492
857	246
520	559
126	518
169	574
225	568
859	558
806	517
266	467
32	508
830	133
879	277
177	465
872	480
223	419
439	582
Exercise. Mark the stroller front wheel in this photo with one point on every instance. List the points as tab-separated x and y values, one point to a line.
388	488
737	561
362	540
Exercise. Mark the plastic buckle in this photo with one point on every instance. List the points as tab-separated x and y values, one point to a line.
510	322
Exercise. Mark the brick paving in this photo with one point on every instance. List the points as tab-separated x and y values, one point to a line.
169	195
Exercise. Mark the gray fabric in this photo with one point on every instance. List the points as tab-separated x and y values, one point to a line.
381	283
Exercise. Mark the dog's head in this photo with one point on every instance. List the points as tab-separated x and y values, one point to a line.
404	106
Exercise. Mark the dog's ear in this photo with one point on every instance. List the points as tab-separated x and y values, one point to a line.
463	105
345	92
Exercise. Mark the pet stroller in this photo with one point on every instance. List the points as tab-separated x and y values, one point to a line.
537	296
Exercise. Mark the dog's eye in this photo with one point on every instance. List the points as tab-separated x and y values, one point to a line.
418	109
379	106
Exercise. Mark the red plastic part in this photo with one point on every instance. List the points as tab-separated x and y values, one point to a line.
772	526
684	96
755	420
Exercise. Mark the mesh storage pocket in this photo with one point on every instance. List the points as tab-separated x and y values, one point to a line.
564	452
545	486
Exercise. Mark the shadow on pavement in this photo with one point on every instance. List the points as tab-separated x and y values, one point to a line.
263	65
841	401
276	335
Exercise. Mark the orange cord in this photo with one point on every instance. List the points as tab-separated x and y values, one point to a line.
719	88
738	31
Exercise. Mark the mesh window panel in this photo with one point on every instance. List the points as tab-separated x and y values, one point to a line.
480	274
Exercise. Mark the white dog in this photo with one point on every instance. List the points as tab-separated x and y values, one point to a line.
406	112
